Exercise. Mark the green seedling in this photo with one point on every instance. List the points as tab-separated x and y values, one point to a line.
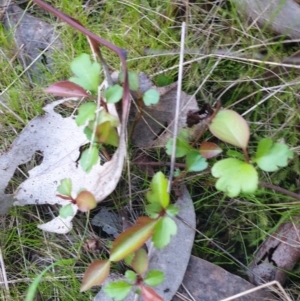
85	200
137	279
236	176
160	227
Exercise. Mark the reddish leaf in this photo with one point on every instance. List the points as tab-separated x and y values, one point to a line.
143	220
209	150
67	89
95	274
149	294
132	239
85	201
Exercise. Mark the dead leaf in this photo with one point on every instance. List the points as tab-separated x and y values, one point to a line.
59	140
205	281
156	125
93	245
277	255
109	221
32	36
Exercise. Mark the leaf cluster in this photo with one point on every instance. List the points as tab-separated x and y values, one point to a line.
128	246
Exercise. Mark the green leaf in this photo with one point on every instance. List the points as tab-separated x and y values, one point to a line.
131	276
235	176
88	132
132	239
271	156
153	209
140	261
89	158
172	210
86	112
66	211
114	93
95	274
154	278
65	187
107	134
118	290
133	80
87	72
105	116
230	127
151	97
159	190
128	259
182	147
195	162
164	229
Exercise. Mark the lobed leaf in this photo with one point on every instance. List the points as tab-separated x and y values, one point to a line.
164	229
154	278
153	209
195	162
65	187
118	290
87	72
172	210
89	158
86	113
271	156
159	190
66	211
235	176
131	276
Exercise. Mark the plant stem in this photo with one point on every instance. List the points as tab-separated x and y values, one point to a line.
279	189
179	165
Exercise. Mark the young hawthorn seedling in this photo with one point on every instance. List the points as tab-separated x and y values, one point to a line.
234	175
160	227
138	261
